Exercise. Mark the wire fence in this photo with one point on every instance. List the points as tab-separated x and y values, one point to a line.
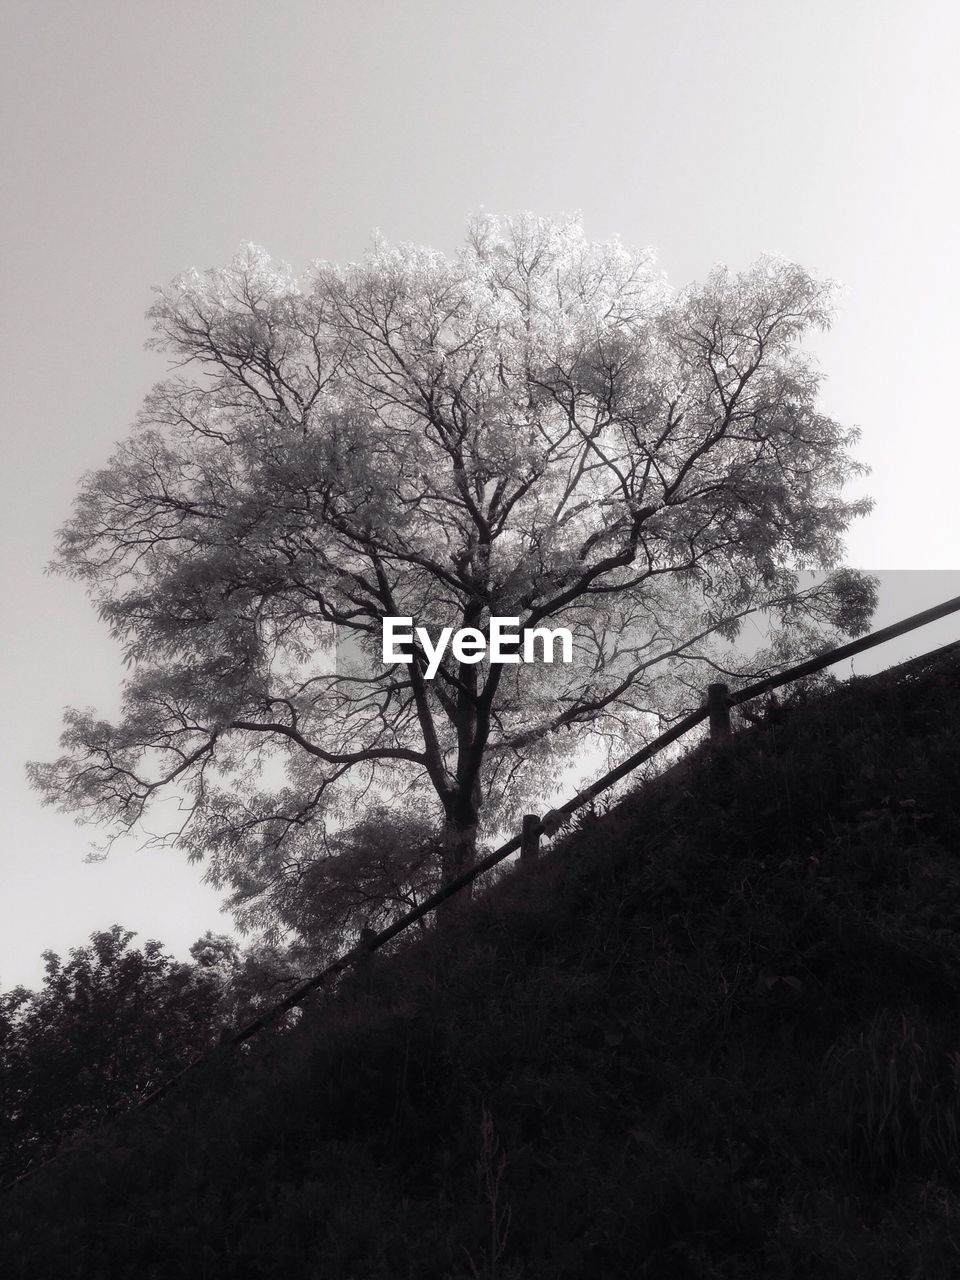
716	708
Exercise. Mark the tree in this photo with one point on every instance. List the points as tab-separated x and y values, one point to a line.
111	1023
360	876
535	428
107	1026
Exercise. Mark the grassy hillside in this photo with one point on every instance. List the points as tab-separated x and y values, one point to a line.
713	1034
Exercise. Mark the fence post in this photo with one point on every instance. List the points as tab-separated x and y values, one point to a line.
364	955
529	838
718	705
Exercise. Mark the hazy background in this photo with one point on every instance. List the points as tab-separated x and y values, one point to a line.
142	139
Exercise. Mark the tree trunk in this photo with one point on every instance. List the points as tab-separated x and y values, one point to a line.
458	854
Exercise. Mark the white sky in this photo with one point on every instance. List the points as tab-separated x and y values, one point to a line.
141	139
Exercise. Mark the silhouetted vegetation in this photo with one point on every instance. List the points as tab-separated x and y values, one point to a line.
712	1034
112	1023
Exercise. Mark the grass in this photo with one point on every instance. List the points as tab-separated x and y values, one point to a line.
712	1034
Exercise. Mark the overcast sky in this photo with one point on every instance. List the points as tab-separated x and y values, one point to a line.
142	139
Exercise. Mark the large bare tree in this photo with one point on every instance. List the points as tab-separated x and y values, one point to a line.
535	428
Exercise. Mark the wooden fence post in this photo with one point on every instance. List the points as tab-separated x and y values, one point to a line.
718	705
529	838
364	955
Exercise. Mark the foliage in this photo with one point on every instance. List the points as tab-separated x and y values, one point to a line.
104	1029
360	877
112	1023
534	428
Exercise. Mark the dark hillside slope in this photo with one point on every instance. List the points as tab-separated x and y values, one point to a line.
713	1034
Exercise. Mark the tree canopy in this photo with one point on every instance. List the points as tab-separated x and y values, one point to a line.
536	427
108	1024
111	1023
